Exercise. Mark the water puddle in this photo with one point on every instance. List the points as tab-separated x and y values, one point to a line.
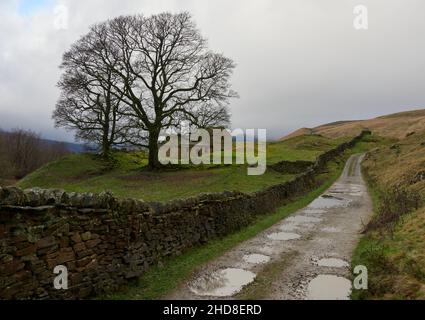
332	262
314	211
329	287
331	229
288	227
355	194
256	258
339	187
327	202
329	196
315	215
355	190
222	283
356	187
282	236
303	219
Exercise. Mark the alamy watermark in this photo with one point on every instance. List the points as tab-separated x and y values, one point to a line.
361	280
61	17
216	146
361	17
60	282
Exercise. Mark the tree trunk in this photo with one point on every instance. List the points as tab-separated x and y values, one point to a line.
153	150
106	149
106	144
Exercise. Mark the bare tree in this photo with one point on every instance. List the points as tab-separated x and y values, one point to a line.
165	72
23	151
210	116
96	114
5	164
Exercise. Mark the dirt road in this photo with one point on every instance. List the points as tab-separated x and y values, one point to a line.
305	256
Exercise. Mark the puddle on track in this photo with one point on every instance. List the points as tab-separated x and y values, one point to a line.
314	215
256	258
222	283
288	227
329	287
327	202
314	211
355	190
332	262
331	229
355	194
303	219
283	236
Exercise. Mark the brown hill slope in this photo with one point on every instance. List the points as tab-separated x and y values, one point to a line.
395	254
397	125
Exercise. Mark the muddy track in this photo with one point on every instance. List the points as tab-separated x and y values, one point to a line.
305	256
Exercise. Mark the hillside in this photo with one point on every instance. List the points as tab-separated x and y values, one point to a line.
395	253
397	125
70	146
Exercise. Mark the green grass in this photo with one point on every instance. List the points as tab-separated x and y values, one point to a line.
395	258
369	251
84	173
384	255
306	147
259	289
125	176
161	280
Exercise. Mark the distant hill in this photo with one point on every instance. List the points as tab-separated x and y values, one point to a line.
72	147
397	125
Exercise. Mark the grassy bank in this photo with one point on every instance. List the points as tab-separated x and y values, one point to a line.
393	249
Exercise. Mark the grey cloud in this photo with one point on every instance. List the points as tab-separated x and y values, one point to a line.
300	63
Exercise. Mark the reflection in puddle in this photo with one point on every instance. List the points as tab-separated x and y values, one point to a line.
256	258
332	262
327	202
314	211
329	196
303	219
355	190
355	194
222	283
283	236
288	227
329	287
331	229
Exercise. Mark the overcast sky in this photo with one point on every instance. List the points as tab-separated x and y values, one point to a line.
300	63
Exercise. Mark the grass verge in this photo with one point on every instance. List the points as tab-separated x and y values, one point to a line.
260	288
393	250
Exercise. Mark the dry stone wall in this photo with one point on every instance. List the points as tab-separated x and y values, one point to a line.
291	167
105	242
